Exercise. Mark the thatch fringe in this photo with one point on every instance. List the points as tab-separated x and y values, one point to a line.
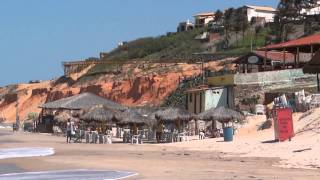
172	114
221	114
100	114
81	101
64	117
131	116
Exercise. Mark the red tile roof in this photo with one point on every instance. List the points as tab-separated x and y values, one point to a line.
305	41
276	55
271	56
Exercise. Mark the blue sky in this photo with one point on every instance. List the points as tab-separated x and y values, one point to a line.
37	35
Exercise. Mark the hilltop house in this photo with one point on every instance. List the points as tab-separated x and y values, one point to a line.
265	12
203	19
312	11
185	26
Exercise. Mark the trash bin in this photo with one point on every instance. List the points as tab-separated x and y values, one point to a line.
228	134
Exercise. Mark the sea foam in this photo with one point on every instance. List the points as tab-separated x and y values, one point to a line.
6	153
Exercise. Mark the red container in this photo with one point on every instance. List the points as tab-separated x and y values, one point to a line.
283	124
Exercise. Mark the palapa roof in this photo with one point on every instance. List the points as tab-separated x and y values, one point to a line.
81	101
148	112
313	66
221	114
101	114
130	116
172	114
64	117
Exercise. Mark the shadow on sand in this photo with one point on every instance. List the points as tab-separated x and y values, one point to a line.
270	141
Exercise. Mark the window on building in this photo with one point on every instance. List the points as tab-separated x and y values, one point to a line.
190	97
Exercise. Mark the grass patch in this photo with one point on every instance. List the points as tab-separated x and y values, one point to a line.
150	48
244	44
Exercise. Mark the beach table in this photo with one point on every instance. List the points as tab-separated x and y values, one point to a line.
80	134
108	139
168	137
101	138
94	137
183	137
136	139
88	136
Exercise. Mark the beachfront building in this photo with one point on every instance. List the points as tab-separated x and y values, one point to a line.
264	75
203	19
265	12
203	98
259	61
185	26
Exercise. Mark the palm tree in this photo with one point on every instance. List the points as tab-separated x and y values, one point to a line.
240	22
228	21
218	16
290	12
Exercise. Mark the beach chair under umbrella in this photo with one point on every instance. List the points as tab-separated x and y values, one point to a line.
171	115
222	115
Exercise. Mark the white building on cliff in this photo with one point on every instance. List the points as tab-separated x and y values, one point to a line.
265	12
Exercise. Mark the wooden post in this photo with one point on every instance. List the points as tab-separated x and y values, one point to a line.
311	49
318	85
295	60
265	61
246	66
284	58
196	127
298	56
243	68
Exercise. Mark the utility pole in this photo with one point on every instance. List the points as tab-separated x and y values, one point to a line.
251	39
17	113
201	55
203	74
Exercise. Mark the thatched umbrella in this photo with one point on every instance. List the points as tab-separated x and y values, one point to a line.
130	116
82	101
221	114
173	114
149	113
100	114
64	117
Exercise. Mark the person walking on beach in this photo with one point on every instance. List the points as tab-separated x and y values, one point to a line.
69	131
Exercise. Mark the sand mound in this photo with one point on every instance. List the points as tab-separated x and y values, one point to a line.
308	123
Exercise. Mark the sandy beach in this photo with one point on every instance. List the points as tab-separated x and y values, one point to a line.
207	159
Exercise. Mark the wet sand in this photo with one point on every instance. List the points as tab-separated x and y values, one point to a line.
150	161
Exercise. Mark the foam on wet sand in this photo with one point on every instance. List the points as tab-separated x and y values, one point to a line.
6	153
81	174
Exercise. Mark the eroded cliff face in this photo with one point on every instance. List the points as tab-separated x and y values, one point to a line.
135	85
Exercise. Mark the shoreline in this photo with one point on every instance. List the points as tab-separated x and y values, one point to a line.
150	161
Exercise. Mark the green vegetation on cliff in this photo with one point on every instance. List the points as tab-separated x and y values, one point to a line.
162	47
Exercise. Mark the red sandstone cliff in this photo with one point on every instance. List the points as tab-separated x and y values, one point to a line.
135	85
